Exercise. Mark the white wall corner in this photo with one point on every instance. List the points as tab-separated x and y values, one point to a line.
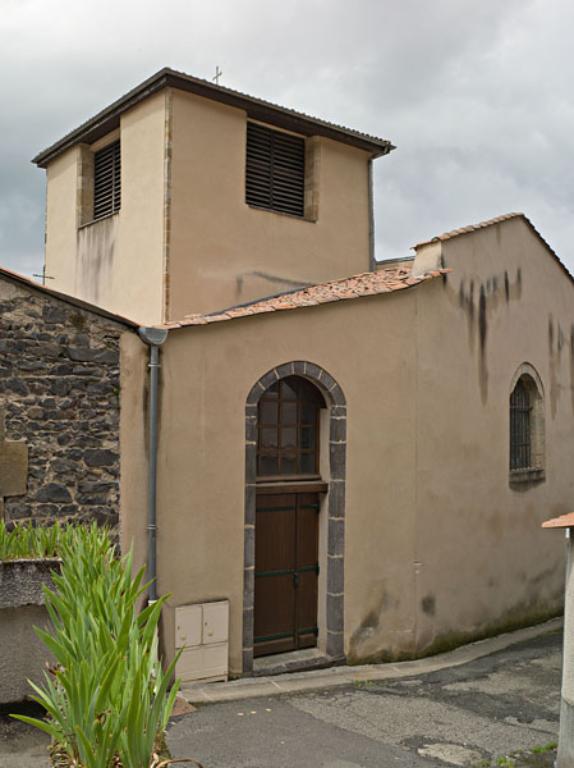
427	258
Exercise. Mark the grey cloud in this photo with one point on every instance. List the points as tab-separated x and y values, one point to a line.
476	95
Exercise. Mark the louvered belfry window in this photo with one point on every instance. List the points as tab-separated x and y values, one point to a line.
107	180
275	173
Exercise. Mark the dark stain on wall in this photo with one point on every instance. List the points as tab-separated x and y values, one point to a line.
555	345
482	321
480	300
95	257
482	333
428	605
371	623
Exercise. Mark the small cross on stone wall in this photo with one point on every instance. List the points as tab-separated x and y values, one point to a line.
13	466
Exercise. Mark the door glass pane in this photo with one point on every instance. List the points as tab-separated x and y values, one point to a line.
307	437
289	437
268	465
308	463
308	413
268	412
289	413
288	421
288	465
268	437
288	392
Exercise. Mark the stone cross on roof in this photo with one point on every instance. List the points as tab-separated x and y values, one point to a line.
13	466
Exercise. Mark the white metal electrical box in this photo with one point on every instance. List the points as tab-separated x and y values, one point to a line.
202	631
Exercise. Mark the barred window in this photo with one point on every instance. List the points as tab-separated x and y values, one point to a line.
520	438
275	170
107	180
527	438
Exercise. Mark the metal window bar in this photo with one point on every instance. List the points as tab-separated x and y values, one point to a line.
520	427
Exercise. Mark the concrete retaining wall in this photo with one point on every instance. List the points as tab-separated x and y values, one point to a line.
22	655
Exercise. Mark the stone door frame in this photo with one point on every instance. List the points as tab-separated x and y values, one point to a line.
337	408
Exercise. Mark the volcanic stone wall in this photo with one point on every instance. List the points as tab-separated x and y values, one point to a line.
59	392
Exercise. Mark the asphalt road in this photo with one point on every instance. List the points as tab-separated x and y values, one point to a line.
466	716
463	716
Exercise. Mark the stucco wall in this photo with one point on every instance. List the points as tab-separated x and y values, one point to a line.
222	252
439	548
134	436
184	239
207	374
116	262
61	220
484	563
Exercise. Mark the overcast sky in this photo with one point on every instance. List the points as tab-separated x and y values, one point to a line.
476	94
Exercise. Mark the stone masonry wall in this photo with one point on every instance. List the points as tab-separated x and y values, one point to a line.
59	390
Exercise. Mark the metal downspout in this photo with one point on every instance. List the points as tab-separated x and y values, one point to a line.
154	337
370	182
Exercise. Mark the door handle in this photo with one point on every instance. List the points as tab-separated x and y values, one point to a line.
295	579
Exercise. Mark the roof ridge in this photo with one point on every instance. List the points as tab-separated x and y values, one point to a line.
470	228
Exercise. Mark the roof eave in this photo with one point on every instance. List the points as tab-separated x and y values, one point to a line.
27	282
258	109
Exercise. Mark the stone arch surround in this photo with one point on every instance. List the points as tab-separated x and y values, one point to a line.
337	407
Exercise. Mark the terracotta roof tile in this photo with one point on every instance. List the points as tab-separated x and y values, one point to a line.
564	521
489	223
470	228
384	280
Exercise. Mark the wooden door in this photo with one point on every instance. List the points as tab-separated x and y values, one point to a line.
286	572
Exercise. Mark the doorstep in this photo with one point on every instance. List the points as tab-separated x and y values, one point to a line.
318	679
293	661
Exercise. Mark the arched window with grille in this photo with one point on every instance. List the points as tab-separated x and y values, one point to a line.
526	460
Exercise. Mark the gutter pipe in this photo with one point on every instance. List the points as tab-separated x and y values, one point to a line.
154	338
371	195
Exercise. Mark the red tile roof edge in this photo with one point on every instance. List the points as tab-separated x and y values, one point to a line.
382	281
470	228
564	521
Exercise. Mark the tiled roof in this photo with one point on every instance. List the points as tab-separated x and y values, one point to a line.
489	223
471	228
564	521
388	280
259	109
16	277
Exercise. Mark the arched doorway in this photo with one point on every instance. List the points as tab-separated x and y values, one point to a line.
287	516
306	469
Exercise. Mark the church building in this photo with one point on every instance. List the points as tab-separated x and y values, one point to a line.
353	458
